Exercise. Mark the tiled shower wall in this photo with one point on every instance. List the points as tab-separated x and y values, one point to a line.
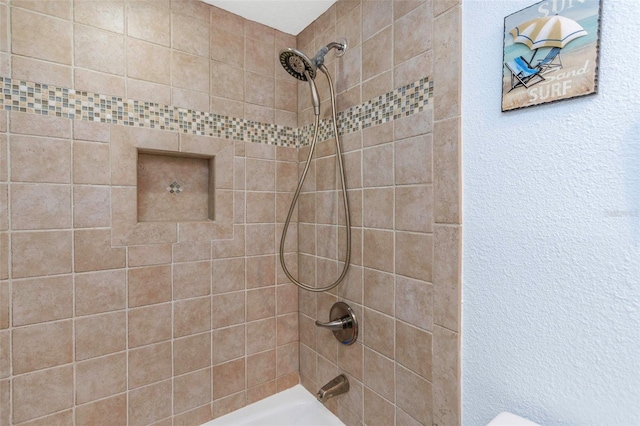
96	332
403	180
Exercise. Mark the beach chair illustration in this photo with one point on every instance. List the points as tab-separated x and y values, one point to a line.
551	62
522	74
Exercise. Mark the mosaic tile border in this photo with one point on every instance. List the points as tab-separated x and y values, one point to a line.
45	99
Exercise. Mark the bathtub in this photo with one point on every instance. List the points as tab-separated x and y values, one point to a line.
292	407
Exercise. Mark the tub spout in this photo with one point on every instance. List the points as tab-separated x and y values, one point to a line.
335	387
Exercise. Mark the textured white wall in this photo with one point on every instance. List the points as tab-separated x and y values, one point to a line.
552	235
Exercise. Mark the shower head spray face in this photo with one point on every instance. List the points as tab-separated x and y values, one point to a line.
297	64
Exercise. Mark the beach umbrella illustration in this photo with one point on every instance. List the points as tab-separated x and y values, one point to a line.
549	31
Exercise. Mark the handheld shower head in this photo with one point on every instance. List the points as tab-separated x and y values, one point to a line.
300	66
297	63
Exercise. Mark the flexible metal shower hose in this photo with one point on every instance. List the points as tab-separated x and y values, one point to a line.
347	260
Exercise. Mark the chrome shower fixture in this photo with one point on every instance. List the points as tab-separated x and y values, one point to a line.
298	64
303	68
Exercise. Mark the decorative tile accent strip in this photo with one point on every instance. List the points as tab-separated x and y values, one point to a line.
44	99
401	102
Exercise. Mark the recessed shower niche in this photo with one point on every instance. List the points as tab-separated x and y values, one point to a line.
174	188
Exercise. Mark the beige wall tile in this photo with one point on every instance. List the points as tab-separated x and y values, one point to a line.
349	23
261	271
416	299
348	72
447	63
4	171
191	390
226	81
447	171
98	82
100	335
146	91
261	335
378	374
414	349
5	350
189	99
41	393
191	316
377	86
23	68
99	292
149	325
260	392
101	377
105	412
190	35
191	353
150	403
149	62
149	22
191	279
261	303
227	47
413	160
27	151
375	54
98	50
228	275
5	64
228	343
417	124
414	255
379	332
58	419
4	259
228	378
190	72
378	291
108	15
40	206
377	410
227	21
25	39
414	69
42	299
91	206
91	163
149	364
261	368
42	346
91	131
259	89
378	208
57	8
260	207
378	250
413	33
378	166
414	395
446	276
40	253
197	416
93	251
155	254
414	208
446	364
287	328
4	305
149	285
375	16
39	125
4	39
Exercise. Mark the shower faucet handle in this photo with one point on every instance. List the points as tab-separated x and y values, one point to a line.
336	325
343	323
